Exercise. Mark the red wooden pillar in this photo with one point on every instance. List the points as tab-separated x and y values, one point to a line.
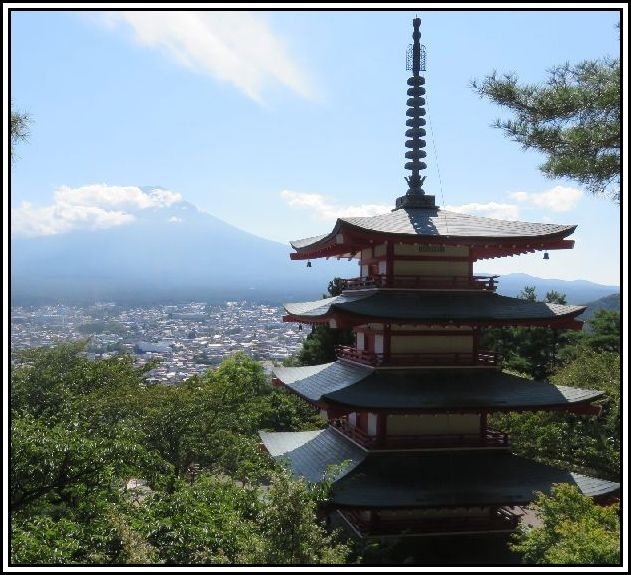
374	522
387	344
362	421
382	425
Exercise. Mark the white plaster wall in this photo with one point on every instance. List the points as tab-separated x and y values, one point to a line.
372	424
380	250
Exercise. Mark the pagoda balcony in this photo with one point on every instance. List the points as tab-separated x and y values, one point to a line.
487	283
502	520
488	438
481	358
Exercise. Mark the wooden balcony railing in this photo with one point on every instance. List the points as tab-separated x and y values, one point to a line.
487	283
499	520
485	358
488	438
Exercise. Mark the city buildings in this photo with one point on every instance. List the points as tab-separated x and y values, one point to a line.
187	339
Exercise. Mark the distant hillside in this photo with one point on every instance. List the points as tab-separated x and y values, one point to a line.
610	302
167	254
578	292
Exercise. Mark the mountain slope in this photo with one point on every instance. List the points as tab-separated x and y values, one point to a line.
177	252
577	292
610	302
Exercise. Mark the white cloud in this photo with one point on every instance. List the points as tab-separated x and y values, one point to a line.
557	199
234	47
130	197
327	210
490	210
96	206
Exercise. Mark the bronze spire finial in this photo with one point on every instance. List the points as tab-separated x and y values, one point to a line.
415	196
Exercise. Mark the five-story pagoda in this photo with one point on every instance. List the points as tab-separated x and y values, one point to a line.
408	405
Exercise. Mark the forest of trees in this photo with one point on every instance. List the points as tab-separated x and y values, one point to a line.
109	469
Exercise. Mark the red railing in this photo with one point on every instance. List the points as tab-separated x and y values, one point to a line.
488	283
501	519
487	358
488	438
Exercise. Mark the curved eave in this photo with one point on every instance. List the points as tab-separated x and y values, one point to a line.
353	308
344	386
310	454
454	479
423	480
347	239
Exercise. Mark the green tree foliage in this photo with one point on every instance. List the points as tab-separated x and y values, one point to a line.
336	287
215	520
290	534
51	382
532	351
585	359
554	296
588	444
529	293
20	123
82	429
575	531
319	346
603	331
573	118
601	371
205	522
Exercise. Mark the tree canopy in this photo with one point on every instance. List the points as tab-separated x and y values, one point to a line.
109	468
321	343
20	122
573	118
575	531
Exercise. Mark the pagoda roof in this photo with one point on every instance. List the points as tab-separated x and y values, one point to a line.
433	225
454	307
456	478
343	383
310	453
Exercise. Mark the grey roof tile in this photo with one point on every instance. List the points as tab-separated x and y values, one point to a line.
431	306
455	478
350	384
312	380
433	223
310	453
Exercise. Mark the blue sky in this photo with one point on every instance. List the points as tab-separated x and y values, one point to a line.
278	122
